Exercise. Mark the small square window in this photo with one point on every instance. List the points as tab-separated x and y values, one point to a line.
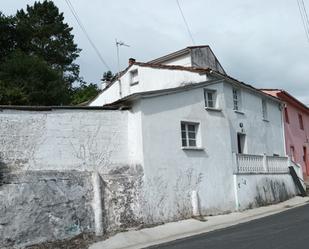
189	134
264	109
133	77
236	99
210	98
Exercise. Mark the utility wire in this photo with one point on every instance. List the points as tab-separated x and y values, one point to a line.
304	16
80	24
186	23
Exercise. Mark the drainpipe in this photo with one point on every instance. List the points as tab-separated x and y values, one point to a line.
97	204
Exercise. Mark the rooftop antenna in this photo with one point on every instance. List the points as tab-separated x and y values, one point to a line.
118	45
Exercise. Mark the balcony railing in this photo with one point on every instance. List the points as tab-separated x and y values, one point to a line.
261	164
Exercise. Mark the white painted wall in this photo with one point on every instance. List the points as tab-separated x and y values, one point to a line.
255	190
64	139
171	173
183	60
150	79
261	136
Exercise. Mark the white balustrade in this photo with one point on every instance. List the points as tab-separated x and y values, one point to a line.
277	164
261	164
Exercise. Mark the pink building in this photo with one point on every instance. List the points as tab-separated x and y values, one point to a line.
296	126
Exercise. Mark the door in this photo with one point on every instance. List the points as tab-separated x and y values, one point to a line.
241	143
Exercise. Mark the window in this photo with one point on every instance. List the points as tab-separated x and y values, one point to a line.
133	77
210	98
241	142
264	109
301	123
189	134
286	114
236	99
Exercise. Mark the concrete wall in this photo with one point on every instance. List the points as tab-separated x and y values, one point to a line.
64	139
38	206
254	190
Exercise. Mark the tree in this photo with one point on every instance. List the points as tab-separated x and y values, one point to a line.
108	76
84	93
37	54
41	30
29	80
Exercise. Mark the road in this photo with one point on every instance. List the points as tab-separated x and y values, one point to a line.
286	230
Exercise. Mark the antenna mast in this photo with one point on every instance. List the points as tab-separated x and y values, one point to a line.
118	45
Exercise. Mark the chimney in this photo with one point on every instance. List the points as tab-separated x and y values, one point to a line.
131	61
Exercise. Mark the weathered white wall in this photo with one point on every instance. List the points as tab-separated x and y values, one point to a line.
150	79
256	190
64	139
183	60
261	136
171	173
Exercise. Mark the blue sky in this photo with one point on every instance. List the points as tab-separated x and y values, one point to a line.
262	43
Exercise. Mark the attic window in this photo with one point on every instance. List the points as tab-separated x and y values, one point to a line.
134	77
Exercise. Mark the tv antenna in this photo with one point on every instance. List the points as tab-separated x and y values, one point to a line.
118	45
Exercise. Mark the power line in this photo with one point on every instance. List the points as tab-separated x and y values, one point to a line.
304	16
185	21
80	24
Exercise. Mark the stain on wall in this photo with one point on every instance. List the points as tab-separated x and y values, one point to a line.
37	206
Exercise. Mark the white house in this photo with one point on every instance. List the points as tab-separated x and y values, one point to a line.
200	135
169	139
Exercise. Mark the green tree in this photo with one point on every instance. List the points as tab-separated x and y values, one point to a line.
39	38
84	93
29	80
41	30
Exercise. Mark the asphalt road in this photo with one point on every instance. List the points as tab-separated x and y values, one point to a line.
286	230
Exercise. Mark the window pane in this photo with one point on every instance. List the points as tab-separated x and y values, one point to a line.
210	103
183	135
192	142
209	96
184	142
191	127
192	135
183	127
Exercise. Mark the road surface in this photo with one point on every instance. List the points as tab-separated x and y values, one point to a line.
286	230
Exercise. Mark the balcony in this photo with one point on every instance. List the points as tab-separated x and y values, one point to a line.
246	163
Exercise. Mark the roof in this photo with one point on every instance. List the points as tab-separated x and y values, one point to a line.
285	96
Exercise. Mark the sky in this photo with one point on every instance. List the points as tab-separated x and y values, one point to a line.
262	43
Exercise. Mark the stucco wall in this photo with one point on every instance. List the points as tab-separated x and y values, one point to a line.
64	139
256	190
149	79
38	206
172	173
262	136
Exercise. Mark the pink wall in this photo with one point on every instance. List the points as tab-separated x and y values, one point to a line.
295	136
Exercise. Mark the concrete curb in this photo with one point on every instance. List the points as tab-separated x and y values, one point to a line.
186	228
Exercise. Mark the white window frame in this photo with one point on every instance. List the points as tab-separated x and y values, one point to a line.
134	76
264	110
185	130
214	98
236	99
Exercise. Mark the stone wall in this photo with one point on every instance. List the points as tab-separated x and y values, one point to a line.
37	206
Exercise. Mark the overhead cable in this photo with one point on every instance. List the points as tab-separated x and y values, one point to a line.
80	24
186	23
